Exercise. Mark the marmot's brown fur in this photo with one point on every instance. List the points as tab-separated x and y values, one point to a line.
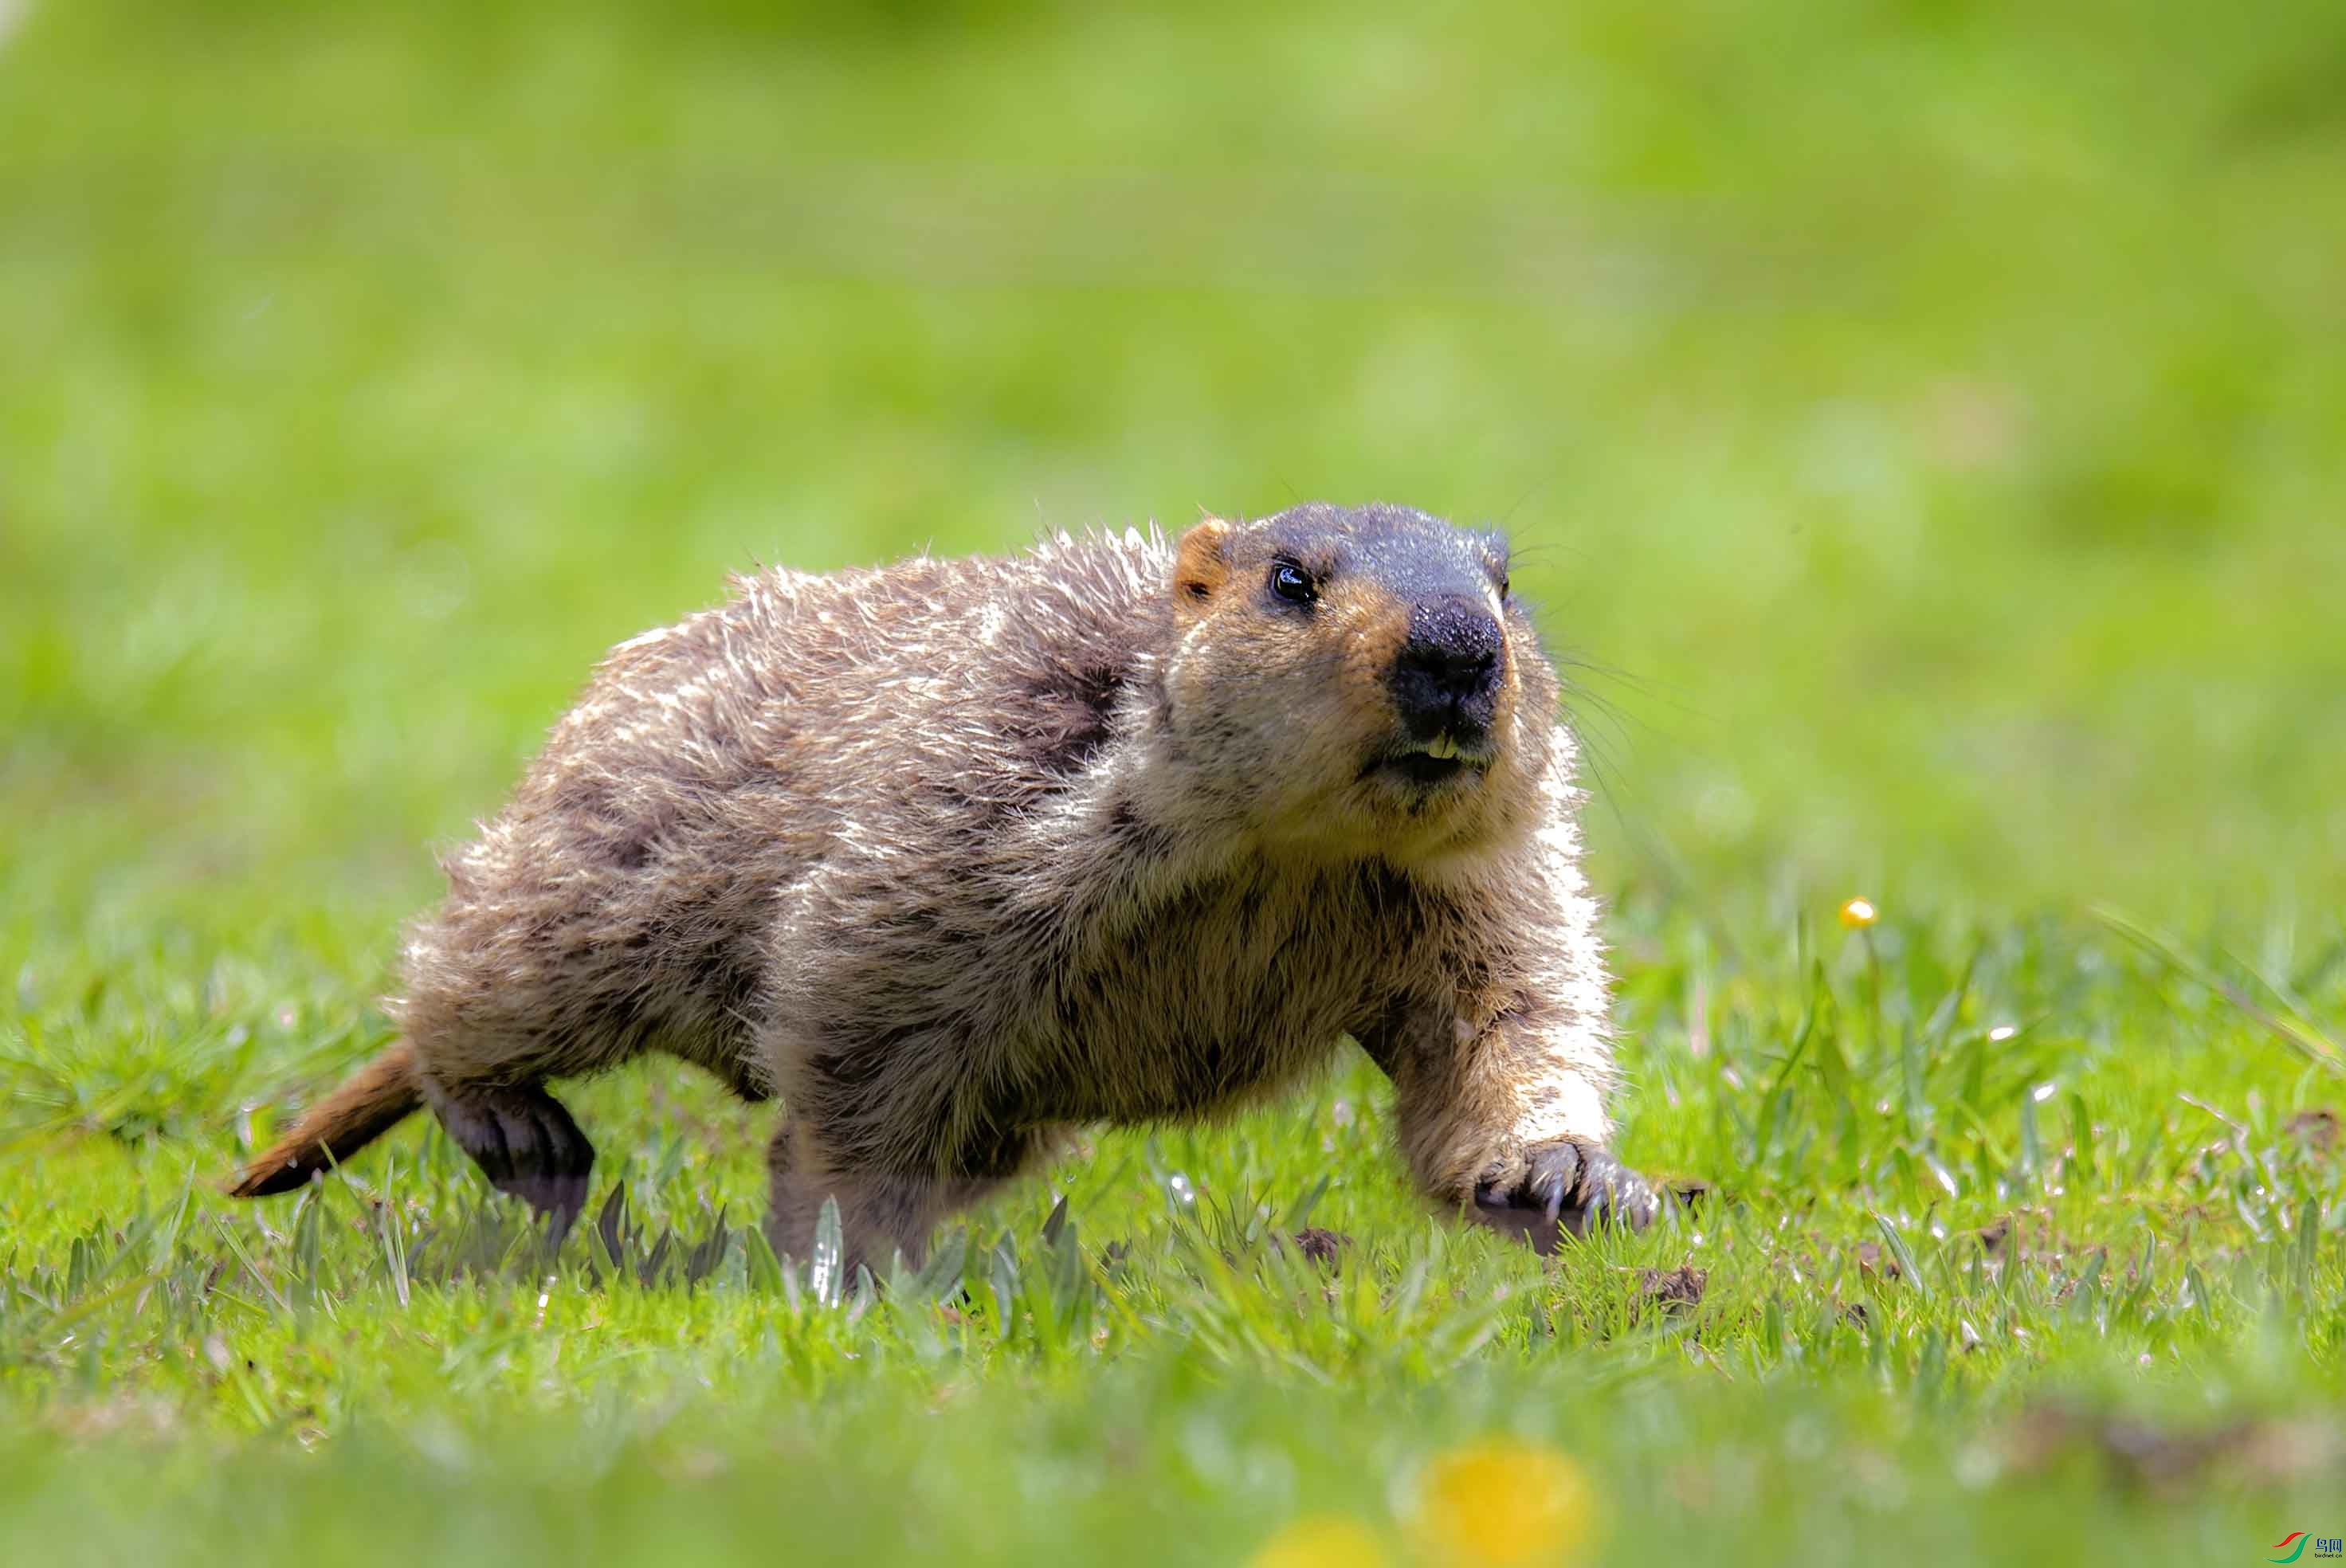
953	856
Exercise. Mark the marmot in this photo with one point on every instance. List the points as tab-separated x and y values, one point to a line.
955	856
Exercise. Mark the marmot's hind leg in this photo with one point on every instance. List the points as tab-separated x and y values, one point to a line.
881	1214
524	1142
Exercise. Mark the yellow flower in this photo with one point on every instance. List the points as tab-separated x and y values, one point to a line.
1859	914
1320	1540
1500	1502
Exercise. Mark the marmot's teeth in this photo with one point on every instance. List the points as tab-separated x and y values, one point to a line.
1441	749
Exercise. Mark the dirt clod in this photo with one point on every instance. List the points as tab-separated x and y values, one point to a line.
2316	1129
1672	1290
1322	1246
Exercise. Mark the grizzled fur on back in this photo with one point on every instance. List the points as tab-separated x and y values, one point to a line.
628	896
955	855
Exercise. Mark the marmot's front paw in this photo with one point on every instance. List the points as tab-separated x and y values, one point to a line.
1566	1185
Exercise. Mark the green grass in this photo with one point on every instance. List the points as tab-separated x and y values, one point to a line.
1923	423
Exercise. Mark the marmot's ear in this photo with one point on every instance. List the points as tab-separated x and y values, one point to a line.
1199	565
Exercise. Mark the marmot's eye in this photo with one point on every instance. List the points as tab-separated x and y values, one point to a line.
1292	583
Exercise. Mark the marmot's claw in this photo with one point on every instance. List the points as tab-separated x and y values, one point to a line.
1556	1173
1611	1193
1567	1187
525	1144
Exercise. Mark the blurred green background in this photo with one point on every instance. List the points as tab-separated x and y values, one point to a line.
1925	420
1923	424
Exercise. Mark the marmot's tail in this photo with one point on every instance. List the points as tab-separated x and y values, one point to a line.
374	1101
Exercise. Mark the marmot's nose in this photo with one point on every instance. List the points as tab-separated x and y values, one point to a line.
1447	676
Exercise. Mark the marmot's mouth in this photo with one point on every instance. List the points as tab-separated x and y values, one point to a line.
1436	762
1425	769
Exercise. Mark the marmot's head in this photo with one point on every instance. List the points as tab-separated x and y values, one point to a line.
1360	678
